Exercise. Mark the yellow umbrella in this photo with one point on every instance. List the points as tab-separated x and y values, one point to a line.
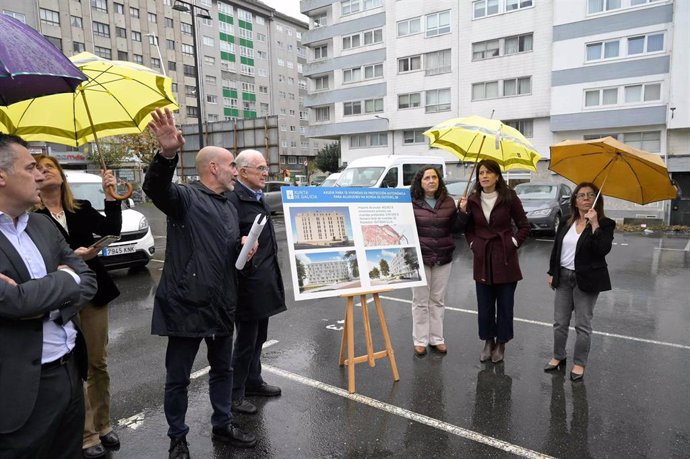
117	99
474	138
617	169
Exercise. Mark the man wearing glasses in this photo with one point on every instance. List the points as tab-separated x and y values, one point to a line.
261	294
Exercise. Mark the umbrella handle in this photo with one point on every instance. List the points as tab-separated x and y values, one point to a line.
112	191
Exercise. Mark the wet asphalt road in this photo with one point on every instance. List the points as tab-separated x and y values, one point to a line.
633	402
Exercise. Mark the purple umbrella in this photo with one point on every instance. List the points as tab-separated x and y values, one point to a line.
30	66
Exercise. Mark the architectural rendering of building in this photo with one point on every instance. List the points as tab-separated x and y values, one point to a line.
326	272
398	266
381	72
320	227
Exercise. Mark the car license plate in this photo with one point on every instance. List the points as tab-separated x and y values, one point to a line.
107	251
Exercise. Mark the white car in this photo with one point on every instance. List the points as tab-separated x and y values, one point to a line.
136	246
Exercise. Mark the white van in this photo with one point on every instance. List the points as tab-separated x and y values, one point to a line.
386	171
136	246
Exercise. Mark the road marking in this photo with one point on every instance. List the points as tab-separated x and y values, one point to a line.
160	237
205	370
157	261
407	414
550	325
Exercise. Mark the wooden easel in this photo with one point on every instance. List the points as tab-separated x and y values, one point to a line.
348	339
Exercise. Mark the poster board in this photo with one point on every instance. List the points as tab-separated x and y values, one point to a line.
346	240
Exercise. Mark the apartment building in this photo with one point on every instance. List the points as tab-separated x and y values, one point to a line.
383	71
250	56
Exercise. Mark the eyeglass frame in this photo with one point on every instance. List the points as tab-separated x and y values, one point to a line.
261	169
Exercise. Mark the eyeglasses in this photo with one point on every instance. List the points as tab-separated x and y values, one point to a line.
586	195
260	168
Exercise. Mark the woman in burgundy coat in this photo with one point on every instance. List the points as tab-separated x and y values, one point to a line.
435	215
489	213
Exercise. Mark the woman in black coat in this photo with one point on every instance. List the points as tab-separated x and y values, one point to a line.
79	221
578	272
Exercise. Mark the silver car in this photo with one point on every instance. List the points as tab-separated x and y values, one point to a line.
272	195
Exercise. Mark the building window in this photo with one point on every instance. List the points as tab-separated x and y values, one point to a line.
208	41
192	112
484	8
189	91
603	50
138	59
174	87
437	100
122	56
155	63
210	60
375	139
18	16
172	66
263	89
211	99
512	5
105	53
77	22
409	64
320	20
352	108
169	23
134	12
373	106
518	44
526	126
413	136
260	20
437	24
321	83
49	17
320	52
170	44
599	6
136	36
485	49
437	62
260	37
645	44
647	141
119	8
485	90
100	5
57	42
120	32
189	70
187	49
322	114
599	97
411	100
517	86
153	19
186	28
409	26
373	71
642	93
101	29
78	47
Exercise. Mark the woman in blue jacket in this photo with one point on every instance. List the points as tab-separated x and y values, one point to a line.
578	272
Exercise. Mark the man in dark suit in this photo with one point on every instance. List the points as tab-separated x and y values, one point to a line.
42	286
261	292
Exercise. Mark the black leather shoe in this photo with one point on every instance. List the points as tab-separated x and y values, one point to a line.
178	448
234	436
264	390
559	366
93	452
576	377
111	440
243	406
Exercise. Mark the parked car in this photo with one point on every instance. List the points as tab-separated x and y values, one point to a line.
386	171
546	204
272	195
135	246
456	188
331	179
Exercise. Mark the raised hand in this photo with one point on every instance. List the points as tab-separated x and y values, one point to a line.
109	180
169	137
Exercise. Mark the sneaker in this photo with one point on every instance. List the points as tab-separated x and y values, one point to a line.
264	390
179	448
243	406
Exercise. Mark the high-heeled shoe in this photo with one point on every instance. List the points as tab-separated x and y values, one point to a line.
576	376
557	367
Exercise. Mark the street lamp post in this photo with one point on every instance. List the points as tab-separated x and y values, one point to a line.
392	132
187	7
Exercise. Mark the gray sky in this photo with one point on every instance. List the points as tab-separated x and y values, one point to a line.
289	7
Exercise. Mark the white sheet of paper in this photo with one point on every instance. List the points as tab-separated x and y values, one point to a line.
257	227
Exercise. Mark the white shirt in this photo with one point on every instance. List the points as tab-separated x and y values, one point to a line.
58	339
568	247
488	202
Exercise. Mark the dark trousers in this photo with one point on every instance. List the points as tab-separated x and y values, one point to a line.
55	427
179	358
246	360
495	311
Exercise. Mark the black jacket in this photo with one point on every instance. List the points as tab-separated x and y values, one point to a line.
591	270
82	225
261	292
197	293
